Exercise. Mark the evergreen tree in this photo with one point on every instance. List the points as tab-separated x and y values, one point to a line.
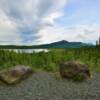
99	41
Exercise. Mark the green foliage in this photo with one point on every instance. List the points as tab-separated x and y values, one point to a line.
78	78
50	61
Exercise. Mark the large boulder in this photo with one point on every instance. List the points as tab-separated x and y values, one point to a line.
15	74
72	69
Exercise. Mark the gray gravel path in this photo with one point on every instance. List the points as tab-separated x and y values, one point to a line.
45	86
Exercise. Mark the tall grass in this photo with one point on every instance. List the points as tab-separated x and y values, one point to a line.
50	61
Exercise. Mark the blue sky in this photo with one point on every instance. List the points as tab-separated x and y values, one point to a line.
31	22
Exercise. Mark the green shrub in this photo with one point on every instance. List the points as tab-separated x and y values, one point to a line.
51	60
78	78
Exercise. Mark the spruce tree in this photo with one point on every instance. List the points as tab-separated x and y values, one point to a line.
99	41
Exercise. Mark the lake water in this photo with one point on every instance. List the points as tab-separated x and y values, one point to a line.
29	50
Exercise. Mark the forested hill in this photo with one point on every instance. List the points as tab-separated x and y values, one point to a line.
59	44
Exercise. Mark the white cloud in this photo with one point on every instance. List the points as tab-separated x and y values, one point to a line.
83	33
50	19
8	31
34	22
20	18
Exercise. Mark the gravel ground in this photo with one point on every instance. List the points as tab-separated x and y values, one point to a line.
45	86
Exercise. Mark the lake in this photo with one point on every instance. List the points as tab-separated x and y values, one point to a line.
28	50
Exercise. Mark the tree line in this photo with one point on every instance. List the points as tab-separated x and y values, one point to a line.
98	42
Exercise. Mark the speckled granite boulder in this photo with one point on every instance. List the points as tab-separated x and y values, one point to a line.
15	74
73	68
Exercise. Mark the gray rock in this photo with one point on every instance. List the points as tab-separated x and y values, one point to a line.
73	68
15	74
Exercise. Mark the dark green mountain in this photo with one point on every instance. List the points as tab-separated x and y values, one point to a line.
65	44
59	44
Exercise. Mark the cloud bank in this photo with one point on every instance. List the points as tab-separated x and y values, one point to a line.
83	33
28	22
